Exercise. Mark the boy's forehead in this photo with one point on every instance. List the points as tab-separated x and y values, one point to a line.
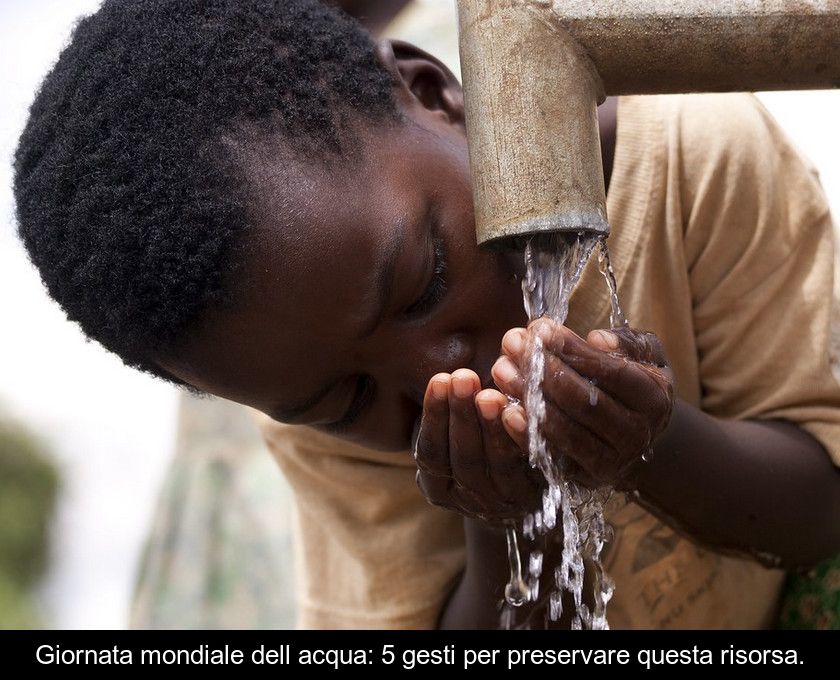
314	203
311	210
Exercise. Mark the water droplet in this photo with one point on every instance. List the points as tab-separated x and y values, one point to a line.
528	527
517	591
535	563
593	394
768	559
555	606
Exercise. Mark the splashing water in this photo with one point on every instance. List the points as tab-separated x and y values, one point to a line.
617	319
554	264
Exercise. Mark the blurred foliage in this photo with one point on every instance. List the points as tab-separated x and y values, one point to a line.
812	600
17	609
29	484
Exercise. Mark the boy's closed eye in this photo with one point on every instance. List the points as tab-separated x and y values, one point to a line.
435	289
433	293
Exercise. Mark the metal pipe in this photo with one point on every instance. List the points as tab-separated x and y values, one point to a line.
535	70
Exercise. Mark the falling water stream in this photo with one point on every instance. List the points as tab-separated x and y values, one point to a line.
554	264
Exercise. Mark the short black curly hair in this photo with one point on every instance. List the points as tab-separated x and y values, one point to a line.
128	201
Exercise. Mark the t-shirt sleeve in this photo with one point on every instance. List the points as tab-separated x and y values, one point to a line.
370	550
759	246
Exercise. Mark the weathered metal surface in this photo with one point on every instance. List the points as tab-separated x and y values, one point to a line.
533	70
645	47
531	99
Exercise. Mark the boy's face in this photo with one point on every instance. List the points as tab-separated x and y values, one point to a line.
365	282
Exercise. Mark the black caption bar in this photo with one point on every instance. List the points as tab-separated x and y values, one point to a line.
412	652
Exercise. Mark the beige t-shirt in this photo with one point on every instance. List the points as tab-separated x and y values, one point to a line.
722	243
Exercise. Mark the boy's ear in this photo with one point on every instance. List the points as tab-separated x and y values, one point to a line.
422	79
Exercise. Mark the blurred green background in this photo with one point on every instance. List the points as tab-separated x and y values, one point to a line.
29	483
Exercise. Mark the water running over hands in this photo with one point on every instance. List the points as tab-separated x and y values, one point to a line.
554	264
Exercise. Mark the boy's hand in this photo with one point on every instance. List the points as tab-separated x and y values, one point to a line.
466	460
607	398
471	448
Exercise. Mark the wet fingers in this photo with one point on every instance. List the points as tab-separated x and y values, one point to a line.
430	448
466	450
507	464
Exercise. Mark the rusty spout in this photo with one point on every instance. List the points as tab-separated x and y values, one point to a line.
535	70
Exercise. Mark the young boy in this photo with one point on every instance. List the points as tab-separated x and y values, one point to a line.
255	200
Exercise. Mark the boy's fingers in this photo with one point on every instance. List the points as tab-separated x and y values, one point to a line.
580	398
431	449
518	343
508	378
584	402
466	450
443	492
634	344
574	471
553	335
515	423
434	488
631	383
507	463
515	343
570	438
614	373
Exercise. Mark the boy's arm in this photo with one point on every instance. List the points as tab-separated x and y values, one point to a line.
475	600
767	489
